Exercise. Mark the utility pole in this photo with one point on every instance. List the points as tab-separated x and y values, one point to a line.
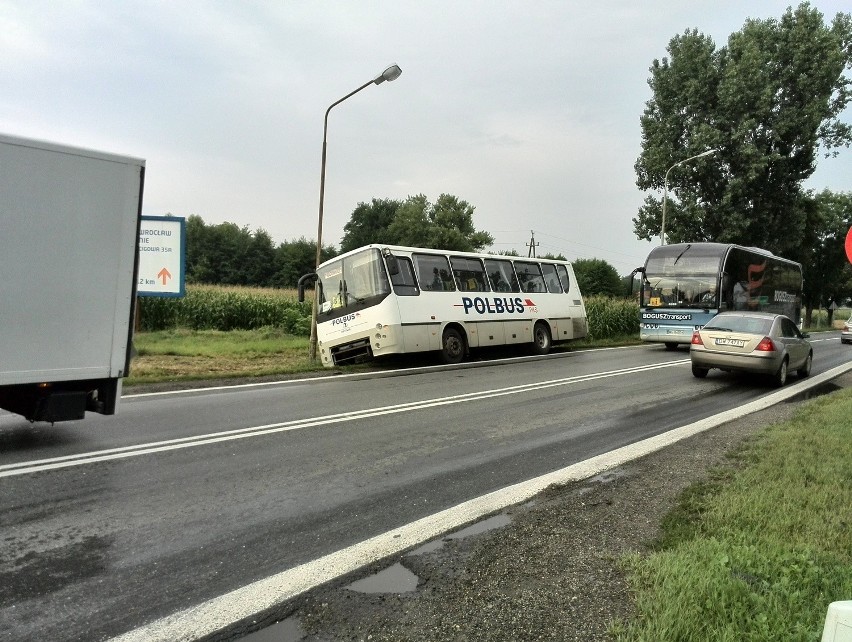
532	245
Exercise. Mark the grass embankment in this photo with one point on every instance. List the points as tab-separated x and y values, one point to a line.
758	552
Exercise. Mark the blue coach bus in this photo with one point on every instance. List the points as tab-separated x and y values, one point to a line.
685	284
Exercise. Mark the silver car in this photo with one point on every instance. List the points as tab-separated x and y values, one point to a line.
846	332
758	342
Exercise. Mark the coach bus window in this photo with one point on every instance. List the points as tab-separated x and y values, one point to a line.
469	273
550	278
529	276
562	271
501	275
403	281
433	273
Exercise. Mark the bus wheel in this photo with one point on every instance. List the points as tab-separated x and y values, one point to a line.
671	345
541	339
452	350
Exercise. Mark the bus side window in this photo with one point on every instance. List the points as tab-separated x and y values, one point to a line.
470	274
562	271
501	275
433	272
551	278
403	281
529	274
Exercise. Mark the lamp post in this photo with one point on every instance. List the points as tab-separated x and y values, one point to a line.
391	73
666	187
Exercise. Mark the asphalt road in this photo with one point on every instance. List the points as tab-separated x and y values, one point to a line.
113	522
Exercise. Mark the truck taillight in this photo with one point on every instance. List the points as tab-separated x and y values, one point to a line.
765	345
696	339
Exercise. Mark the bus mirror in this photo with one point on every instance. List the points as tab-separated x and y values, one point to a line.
392	263
302	281
639	270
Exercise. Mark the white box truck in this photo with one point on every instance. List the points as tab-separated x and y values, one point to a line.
69	234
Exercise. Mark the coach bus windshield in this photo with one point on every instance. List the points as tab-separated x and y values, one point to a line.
683	276
351	283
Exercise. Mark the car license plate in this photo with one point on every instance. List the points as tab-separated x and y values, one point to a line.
737	343
675	332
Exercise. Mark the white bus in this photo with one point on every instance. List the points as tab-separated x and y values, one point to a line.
382	299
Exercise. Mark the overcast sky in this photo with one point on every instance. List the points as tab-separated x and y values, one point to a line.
527	110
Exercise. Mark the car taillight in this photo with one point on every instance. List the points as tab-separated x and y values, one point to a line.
765	345
696	339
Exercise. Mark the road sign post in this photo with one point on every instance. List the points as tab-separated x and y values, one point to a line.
162	256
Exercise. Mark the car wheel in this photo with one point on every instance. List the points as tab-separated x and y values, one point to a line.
671	345
541	339
699	372
780	377
452	350
805	370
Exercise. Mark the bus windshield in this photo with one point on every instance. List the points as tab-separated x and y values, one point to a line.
683	277
351	283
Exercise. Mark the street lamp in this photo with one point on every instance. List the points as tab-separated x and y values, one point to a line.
391	73
666	187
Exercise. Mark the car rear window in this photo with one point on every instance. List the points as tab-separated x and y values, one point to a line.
752	325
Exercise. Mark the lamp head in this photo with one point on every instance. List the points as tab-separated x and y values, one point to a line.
391	73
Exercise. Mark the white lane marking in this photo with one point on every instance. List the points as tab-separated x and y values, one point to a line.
354	375
215	614
66	461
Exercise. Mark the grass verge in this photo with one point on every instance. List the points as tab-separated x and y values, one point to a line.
759	551
185	355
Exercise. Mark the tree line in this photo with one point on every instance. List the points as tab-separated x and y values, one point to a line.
226	254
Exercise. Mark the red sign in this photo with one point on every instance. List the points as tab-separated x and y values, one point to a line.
849	245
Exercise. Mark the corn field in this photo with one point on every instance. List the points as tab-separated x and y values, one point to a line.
207	307
610	318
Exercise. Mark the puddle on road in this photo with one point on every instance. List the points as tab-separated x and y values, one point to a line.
816	391
289	630
490	524
396	579
605	477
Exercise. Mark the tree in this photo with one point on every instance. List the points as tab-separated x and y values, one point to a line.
227	254
596	276
259	262
767	101
369	223
447	224
293	259
452	226
827	271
